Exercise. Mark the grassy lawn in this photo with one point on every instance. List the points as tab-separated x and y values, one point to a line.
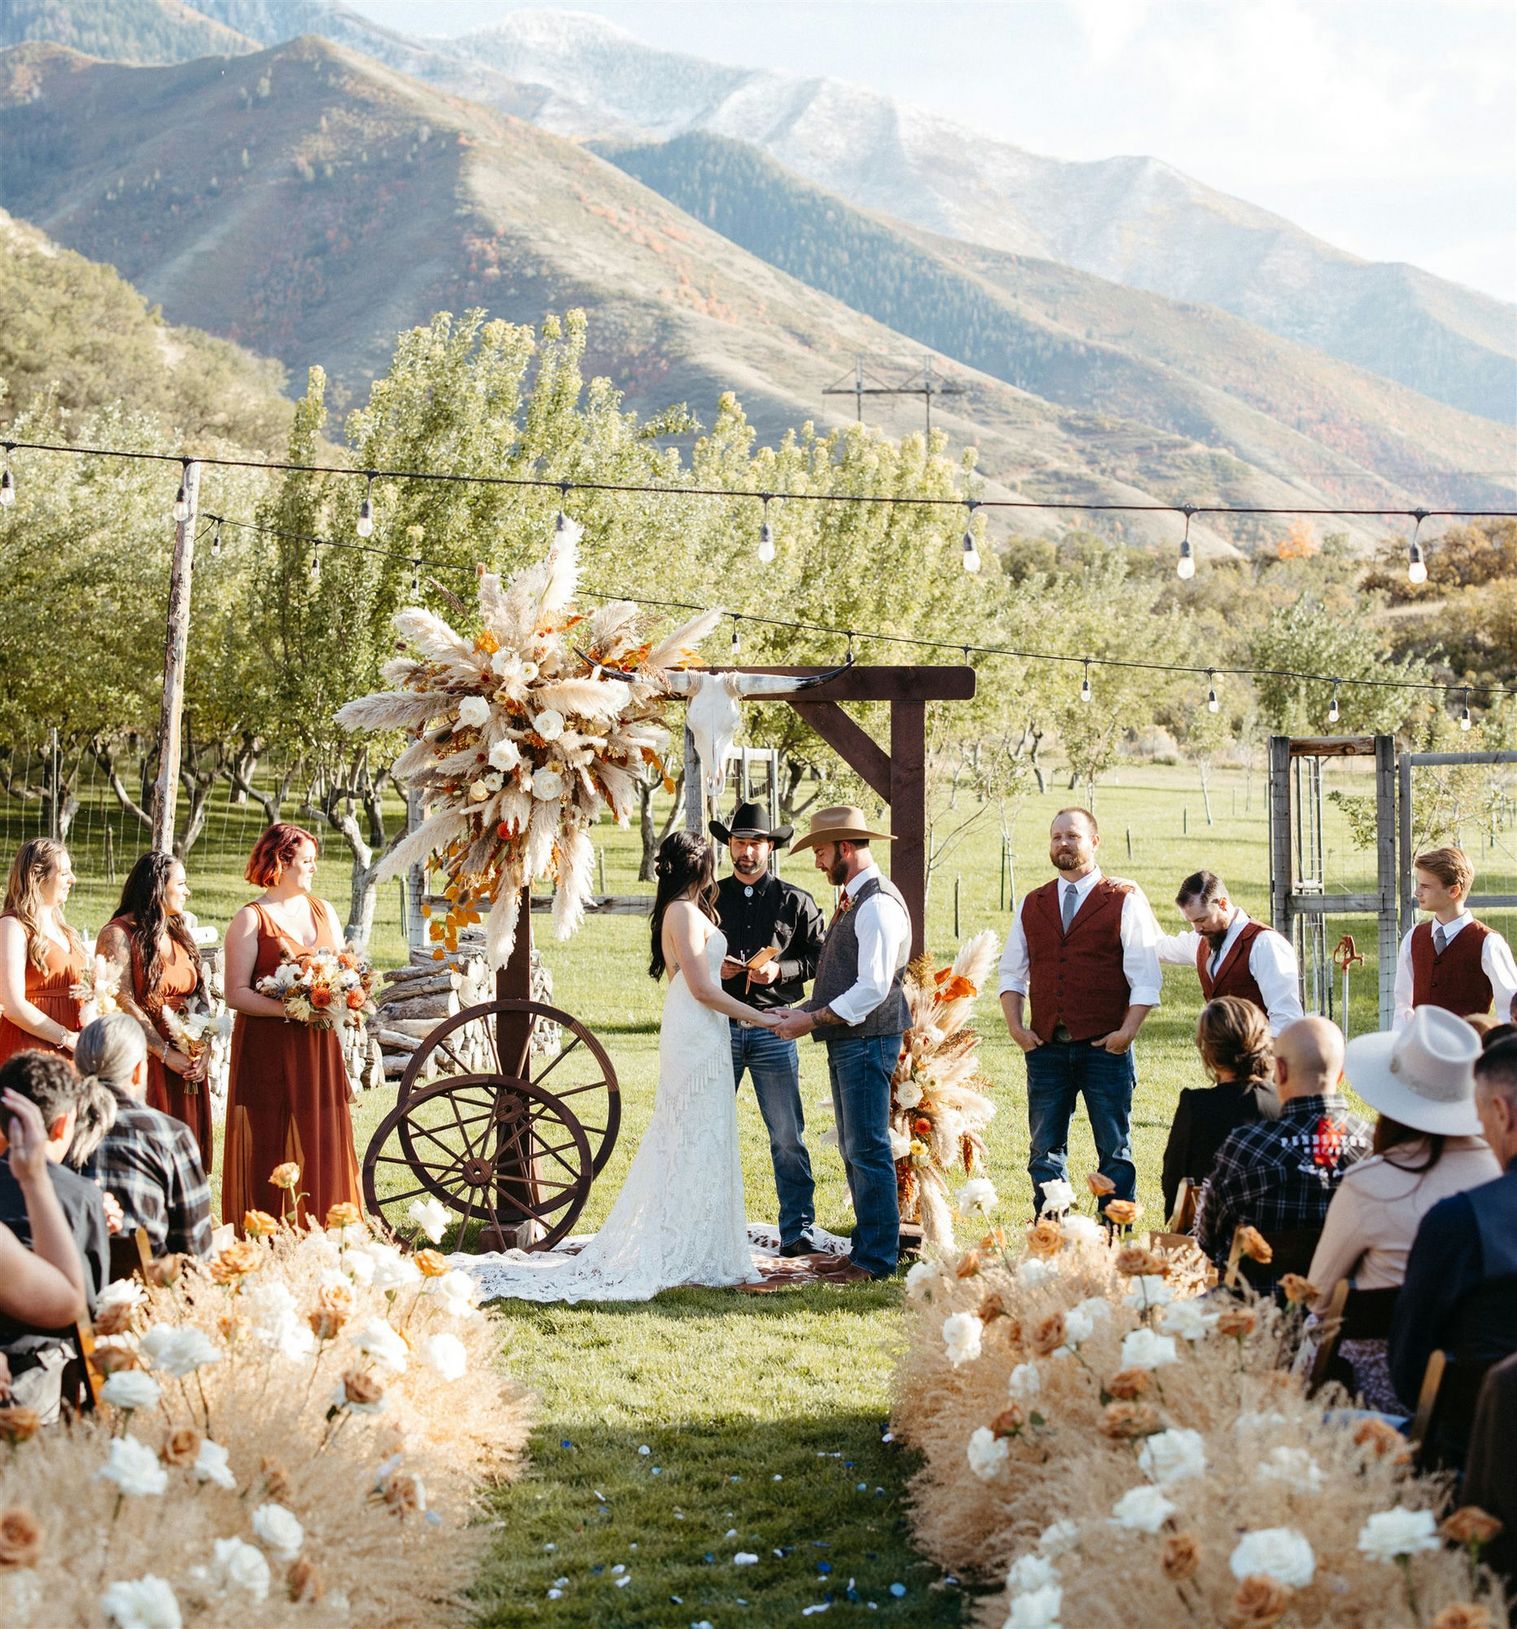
763	1416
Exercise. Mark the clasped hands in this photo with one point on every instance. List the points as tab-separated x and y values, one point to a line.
1118	1041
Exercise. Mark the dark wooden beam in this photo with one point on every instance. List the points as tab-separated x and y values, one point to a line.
908	813
857	749
909	684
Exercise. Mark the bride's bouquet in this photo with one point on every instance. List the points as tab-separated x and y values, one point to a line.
323	988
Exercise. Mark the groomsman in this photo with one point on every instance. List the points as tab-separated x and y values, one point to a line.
1453	961
760	912
1234	955
1085	948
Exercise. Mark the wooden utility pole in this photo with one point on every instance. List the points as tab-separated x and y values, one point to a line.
175	649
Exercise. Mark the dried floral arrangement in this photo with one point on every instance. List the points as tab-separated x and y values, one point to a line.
296	1432
1115	1448
938	1109
525	730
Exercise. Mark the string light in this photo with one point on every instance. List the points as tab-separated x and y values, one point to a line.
766	536
216	540
1332	706
365	527
1185	566
1085	692
315	561
1416	566
1212	704
416	579
1464	716
182	496
735	621
7	480
561	519
971	553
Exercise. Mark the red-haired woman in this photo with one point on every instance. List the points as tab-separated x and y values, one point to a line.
41	956
288	1094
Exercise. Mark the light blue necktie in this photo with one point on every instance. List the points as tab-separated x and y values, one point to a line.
1071	898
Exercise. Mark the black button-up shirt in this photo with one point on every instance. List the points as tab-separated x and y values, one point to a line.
770	912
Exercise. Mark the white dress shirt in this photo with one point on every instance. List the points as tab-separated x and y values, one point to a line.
1495	962
1139	933
1271	961
881	927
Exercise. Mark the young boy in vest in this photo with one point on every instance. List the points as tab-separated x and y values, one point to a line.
1452	961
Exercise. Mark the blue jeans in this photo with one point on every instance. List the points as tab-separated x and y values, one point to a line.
860	1067
1058	1072
776	1070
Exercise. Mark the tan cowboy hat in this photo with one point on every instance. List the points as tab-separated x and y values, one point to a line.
843	823
1422	1075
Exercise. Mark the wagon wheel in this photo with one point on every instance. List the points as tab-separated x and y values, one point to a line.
581	1075
462	1139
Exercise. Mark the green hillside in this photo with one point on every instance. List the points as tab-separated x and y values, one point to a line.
121	30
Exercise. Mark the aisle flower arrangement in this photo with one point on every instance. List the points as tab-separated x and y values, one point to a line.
524	731
296	1432
938	1108
1112	1447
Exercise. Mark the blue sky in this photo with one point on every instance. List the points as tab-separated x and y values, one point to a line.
1388	127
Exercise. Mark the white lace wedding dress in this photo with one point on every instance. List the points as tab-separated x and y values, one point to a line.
679	1218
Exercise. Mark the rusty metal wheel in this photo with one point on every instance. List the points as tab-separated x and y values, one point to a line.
495	1151
581	1073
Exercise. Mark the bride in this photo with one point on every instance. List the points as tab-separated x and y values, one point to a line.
680	1218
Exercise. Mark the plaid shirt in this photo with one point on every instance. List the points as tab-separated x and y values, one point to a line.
1279	1174
151	1162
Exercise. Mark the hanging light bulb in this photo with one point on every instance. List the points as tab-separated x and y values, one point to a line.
315	562
216	540
766	536
1212	704
734	636
1085	694
1332	706
365	527
416	579
7	481
971	553
1185	566
1416	565
182	496
1464	716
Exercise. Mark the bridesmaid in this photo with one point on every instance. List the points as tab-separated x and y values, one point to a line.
288	1094
41	957
150	941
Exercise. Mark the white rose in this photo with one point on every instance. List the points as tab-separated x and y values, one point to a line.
1270	1421
547	784
978	1194
142	1603
280	1530
478	791
131	1388
1078	1326
472	712
1148	1290
211	1465
392	1270
377	1340
1188	1319
908	1094
179	1349
458	1291
900	1144
1026	1381
505	755
986	1453
1058	1196
134	1468
1038	1609
1095	1307
1392	1533
445	1353
1173	1456
358	1265
1142	1510
1280	1553
121	1292
1143	1349
1058	1537
1294	1466
1031	1572
961	1337
503	662
431	1216
1082	1229
240	1566
1033	1272
549	724
922	1276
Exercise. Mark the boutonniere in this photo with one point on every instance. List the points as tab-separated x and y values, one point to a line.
845	904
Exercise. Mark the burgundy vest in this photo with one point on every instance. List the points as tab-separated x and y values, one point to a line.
1233	977
1076	979
1455	980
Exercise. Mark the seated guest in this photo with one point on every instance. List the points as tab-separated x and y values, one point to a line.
43	1285
1427	1145
1490	1477
148	1160
1280	1175
38	1352
1460	1290
1233	1039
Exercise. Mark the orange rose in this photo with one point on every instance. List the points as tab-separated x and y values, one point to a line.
112	1359
1099	1185
403	1493
285	1176
114	1320
20	1538
1469	1524
360	1387
165	1270
1383	1439
1180	1557
19	1425
433	1263
344	1214
1259	1604
1045	1238
1124	1422
1134	1261
1048	1334
1298	1290
1123	1212
181	1446
1238	1322
235	1262
303	1582
276	1481
258	1224
990	1308
969	1264
1463	1615
1129	1384
1009	1421
1252	1243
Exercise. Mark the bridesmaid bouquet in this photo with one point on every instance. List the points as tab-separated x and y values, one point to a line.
194	1032
324	988
97	989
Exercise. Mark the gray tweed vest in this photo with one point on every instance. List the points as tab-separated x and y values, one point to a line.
838	970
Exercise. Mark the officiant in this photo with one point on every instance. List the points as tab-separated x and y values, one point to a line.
774	937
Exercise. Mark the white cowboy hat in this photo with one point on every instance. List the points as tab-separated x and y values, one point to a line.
1422	1075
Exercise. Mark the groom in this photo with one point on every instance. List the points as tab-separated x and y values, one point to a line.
858	1009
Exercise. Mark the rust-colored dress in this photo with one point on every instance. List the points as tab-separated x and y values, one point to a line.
287	1099
49	992
166	1090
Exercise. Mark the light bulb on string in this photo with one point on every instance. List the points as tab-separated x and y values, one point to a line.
971	552
1085	692
7	481
1185	566
1332	706
182	496
216	540
1416	565
315	562
849	656
1464	716
365	527
561	521
766	536
1212	704
416	579
734	637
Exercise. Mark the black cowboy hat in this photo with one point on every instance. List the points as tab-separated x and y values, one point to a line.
748	821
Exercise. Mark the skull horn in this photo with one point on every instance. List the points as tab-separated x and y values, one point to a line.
756	685
609	672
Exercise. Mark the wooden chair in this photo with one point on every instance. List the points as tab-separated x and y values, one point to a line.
81	1381
1329	1333
1352	1315
1440	1428
1182	1219
131	1254
1291	1249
